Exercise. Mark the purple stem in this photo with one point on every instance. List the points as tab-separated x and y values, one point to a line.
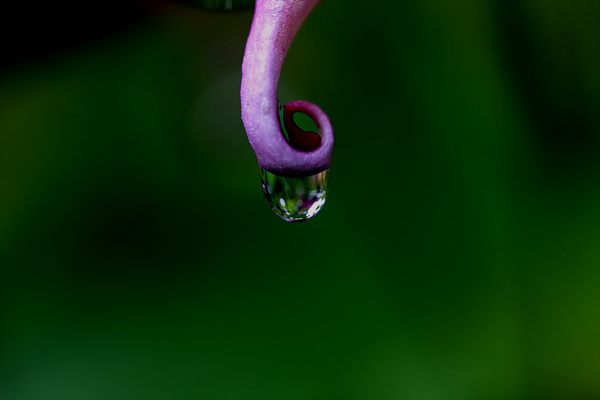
274	26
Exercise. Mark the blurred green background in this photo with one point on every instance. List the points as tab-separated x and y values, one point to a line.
457	256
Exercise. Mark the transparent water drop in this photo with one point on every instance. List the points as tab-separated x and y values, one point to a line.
295	199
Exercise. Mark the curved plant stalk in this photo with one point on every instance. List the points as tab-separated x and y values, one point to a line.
274	26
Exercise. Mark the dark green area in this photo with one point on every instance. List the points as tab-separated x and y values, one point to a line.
219	5
457	256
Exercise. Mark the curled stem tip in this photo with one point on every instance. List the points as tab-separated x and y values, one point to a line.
274	26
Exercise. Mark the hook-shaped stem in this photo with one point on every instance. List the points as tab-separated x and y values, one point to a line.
274	26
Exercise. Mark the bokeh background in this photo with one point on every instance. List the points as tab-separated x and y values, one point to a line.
457	256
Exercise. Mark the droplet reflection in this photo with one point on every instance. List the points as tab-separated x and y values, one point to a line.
295	199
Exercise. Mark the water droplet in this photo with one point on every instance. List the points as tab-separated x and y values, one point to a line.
295	199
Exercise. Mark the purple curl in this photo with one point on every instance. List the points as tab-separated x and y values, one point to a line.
274	26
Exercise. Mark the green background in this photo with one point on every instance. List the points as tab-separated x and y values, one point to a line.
457	256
